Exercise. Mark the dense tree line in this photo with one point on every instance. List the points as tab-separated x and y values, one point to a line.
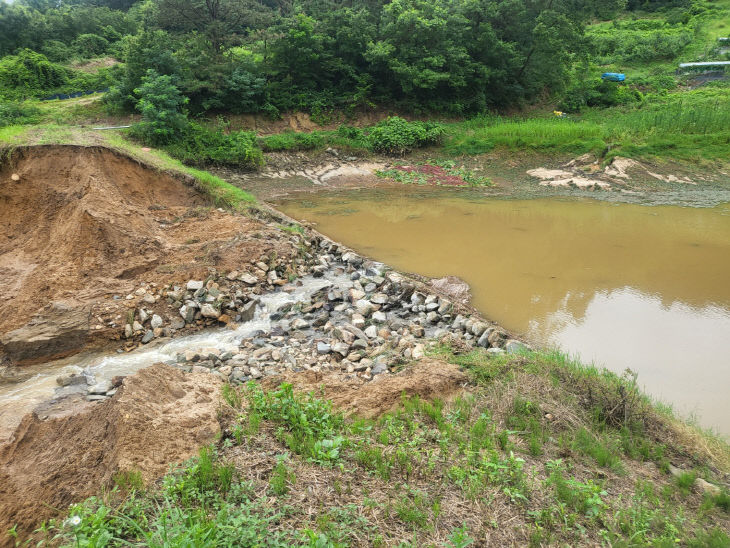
272	55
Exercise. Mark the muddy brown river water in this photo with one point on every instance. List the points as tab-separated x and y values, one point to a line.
620	285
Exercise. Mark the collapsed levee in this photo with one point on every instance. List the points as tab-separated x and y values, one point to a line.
158	416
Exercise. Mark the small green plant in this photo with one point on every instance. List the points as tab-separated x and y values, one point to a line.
231	396
459	538
281	476
585	498
292	229
685	481
589	444
307	425
129	480
413	508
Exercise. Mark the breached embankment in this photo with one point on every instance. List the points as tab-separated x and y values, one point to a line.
126	254
83	227
159	416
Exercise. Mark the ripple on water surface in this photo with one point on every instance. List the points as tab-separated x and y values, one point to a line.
624	285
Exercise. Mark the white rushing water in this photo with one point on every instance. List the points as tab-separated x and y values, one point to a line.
20	398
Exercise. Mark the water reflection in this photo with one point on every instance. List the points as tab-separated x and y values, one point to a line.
624	285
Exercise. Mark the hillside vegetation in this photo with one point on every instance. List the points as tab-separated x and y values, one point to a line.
501	66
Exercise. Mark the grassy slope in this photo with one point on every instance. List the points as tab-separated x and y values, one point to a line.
537	450
220	192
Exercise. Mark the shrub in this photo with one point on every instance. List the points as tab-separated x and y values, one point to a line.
292	141
159	102
56	51
598	93
90	45
398	136
30	74
201	146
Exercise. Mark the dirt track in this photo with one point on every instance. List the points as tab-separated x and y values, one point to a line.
83	224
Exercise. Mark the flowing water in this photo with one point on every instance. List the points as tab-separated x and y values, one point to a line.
18	399
621	285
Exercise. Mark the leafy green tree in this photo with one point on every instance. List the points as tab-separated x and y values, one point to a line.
422	52
150	50
90	45
222	22
160	103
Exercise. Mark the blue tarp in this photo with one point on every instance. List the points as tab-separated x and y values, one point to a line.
613	76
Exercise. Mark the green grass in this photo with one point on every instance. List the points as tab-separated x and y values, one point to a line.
10	134
401	478
221	192
683	125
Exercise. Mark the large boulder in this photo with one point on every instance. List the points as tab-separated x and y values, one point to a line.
60	329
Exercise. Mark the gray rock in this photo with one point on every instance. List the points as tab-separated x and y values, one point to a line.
248	310
418	352
142	315
70	379
495	351
379	368
379	298
371	332
356	331
136	326
355	295
432	317
187	312
299	323
379	317
128	331
102	387
478	328
156	321
516	347
497	338
95	397
248	279
209	311
352	258
704	486
323	348
484	338
194	285
341	348
148	336
177	323
364	307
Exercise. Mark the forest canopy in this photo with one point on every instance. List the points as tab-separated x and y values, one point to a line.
451	56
